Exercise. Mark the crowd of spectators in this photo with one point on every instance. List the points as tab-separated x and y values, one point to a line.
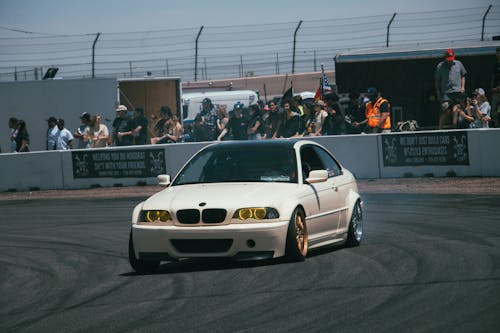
283	117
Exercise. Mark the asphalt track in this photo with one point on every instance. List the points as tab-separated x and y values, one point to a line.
428	263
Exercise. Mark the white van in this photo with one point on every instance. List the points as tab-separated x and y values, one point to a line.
191	102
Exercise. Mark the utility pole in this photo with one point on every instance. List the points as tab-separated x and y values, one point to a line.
93	53
294	42
196	55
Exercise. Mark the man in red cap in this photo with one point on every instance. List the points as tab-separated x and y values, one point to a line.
450	85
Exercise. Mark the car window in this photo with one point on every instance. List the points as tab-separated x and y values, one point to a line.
330	163
240	165
310	160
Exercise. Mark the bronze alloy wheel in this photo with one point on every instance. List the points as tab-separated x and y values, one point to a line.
297	243
301	234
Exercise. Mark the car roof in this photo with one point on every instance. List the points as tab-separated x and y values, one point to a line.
285	143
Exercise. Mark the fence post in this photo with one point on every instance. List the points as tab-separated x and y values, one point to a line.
196	55
277	64
315	65
388	27
294	42
93	54
484	20
241	63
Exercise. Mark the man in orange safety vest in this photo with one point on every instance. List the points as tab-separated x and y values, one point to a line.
377	112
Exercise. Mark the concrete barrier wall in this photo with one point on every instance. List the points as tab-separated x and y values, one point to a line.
358	153
361	154
29	170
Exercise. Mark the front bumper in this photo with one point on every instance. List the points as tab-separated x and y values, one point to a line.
239	241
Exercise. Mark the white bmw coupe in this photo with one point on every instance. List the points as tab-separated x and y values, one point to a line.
248	200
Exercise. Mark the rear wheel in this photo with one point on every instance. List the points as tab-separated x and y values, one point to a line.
297	242
140	266
355	232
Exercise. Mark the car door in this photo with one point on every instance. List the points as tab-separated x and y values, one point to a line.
341	185
323	222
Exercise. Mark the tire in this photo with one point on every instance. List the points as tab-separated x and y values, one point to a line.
355	232
140	266
297	242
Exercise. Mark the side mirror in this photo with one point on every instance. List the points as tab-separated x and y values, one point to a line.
317	176
163	180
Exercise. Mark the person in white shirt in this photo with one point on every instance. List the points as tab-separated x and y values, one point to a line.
64	138
481	109
99	133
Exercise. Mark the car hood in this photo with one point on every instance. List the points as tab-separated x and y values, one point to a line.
220	195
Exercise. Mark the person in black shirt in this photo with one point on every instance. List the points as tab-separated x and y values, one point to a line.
355	114
237	124
273	121
254	124
122	127
334	123
140	127
291	126
22	138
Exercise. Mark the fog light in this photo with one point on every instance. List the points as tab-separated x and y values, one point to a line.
250	243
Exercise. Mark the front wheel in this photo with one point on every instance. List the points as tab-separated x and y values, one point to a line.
140	266
297	242
355	232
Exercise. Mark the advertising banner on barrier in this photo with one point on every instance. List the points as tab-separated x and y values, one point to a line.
440	148
118	163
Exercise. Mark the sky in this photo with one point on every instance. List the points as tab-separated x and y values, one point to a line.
111	16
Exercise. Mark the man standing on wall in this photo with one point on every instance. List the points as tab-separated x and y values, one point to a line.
450	85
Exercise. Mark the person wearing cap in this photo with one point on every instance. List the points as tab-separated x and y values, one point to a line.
377	112
449	84
209	118
122	127
64	139
319	117
82	133
52	132
495	91
237	125
481	109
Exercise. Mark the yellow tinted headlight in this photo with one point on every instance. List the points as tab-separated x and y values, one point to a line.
259	213
245	213
256	213
157	215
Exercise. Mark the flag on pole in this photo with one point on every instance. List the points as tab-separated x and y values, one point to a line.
288	95
325	85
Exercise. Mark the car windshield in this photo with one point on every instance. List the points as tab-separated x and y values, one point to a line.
270	164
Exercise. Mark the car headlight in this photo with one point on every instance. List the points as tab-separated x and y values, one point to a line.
256	213
155	216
